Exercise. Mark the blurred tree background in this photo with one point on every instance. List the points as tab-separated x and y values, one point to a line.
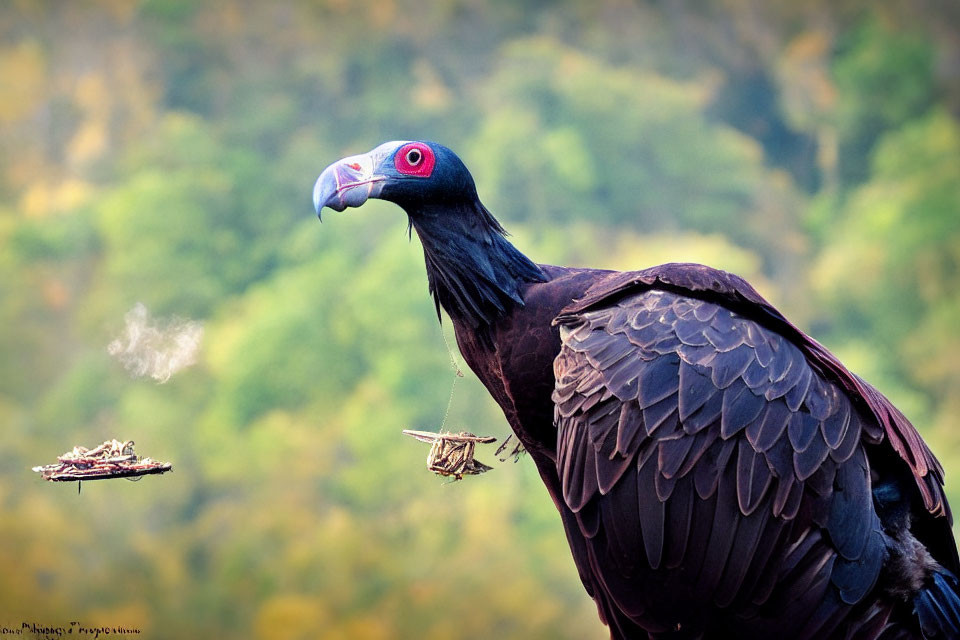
163	152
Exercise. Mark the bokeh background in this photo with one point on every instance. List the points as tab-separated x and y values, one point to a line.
164	152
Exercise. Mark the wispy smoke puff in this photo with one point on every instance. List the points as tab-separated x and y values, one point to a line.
156	351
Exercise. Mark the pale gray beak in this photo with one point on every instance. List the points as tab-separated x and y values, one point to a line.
351	181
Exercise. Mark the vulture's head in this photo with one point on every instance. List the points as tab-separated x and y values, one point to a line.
414	175
473	271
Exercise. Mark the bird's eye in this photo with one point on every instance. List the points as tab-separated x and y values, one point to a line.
415	159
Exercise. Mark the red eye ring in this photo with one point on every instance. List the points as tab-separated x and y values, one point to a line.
415	159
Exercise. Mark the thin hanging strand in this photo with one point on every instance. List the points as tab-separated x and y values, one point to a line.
453	358
457	373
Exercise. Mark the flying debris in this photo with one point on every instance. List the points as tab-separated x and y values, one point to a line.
112	459
156	349
516	452
451	454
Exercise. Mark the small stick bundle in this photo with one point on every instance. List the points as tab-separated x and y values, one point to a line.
112	459
451	454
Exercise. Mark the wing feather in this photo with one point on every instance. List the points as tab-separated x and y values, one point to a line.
679	521
749	532
739	409
695	388
629	428
753	477
767	430
652	514
723	532
658	380
662	417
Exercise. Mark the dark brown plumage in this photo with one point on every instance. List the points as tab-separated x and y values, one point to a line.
718	472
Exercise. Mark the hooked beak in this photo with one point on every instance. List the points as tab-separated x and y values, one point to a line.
351	181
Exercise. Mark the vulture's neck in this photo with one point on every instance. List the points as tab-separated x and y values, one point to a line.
474	272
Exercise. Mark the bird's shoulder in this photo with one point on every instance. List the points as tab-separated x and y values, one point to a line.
734	294
684	277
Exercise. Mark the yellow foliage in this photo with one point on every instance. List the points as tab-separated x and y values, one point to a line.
577	245
429	92
92	94
22	80
291	446
715	250
292	617
167	568
382	13
810	94
370	627
123	11
483	520
43	198
88	143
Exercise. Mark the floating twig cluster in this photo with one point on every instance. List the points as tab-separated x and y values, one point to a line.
112	459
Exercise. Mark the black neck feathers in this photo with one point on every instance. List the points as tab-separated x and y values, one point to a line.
473	271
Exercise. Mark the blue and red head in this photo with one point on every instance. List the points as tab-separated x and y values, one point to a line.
410	174
472	270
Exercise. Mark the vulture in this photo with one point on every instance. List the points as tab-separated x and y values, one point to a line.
718	473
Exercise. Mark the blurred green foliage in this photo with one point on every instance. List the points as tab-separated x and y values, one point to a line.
164	152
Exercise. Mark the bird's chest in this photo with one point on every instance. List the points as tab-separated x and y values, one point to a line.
518	373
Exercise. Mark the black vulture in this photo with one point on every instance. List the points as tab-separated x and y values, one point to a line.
719	473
